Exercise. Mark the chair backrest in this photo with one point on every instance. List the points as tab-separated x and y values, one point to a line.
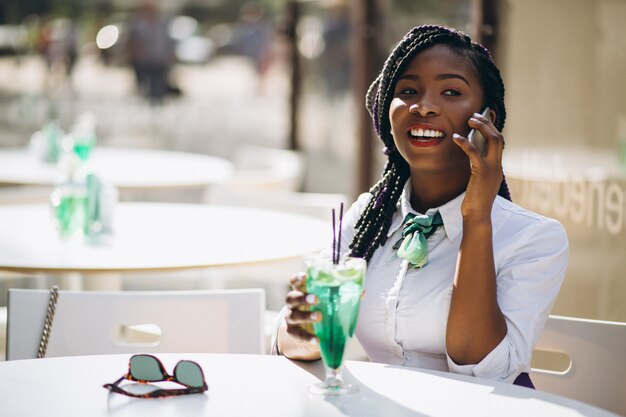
90	323
263	168
597	361
309	204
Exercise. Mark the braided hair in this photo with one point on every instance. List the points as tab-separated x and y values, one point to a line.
373	225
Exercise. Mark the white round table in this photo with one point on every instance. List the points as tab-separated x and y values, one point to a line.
123	168
159	237
261	385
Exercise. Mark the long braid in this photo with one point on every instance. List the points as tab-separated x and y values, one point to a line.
372	227
494	95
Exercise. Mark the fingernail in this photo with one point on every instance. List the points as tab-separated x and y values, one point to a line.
478	115
315	316
457	136
311	299
314	340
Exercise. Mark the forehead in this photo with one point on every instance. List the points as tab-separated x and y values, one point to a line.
441	59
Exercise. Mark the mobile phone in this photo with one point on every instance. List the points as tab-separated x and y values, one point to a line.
476	138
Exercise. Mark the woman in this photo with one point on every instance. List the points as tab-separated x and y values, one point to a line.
474	297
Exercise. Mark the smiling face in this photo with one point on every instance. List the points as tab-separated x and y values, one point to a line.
434	98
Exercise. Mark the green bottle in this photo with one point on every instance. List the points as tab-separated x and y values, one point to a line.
69	199
84	136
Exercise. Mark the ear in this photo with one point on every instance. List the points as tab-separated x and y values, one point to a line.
493	116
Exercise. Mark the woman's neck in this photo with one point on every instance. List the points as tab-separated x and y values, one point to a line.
429	191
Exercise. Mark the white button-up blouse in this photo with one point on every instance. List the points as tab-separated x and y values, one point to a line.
404	311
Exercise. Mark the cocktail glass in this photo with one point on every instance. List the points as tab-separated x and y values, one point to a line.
338	288
83	145
69	205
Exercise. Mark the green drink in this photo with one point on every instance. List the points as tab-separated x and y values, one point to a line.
83	145
69	203
338	288
83	150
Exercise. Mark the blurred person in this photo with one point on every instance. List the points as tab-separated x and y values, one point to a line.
151	51
336	57
252	38
58	43
459	278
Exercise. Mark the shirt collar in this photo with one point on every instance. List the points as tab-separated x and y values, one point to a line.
450	213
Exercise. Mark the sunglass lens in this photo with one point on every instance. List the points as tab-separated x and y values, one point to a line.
145	368
189	373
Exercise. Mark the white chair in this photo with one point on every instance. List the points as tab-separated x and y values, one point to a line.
274	276
309	204
597	361
3	332
91	323
263	168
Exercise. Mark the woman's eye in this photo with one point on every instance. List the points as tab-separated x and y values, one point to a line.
407	90
451	93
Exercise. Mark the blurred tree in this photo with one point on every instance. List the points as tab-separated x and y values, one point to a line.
13	11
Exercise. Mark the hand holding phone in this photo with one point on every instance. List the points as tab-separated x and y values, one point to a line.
476	138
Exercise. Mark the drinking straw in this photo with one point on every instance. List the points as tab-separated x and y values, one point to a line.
334	240
340	227
337	236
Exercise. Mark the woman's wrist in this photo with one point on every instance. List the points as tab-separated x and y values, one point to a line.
477	220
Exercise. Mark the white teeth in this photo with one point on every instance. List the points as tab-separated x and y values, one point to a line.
428	133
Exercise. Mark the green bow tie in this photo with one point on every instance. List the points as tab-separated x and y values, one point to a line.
416	230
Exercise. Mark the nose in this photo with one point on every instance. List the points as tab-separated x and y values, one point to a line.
424	108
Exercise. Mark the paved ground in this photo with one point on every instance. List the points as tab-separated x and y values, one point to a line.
222	106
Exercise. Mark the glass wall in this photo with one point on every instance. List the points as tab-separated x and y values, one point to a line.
563	65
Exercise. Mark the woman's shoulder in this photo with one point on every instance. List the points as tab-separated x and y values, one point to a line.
514	220
356	209
359	205
363	200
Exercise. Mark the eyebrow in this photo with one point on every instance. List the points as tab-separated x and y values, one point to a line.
445	76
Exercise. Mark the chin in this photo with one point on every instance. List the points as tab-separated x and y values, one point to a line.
428	164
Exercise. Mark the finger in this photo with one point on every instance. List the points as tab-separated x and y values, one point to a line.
363	294
298	282
496	156
300	299
495	141
481	124
294	298
469	149
300	333
300	317
484	119
495	147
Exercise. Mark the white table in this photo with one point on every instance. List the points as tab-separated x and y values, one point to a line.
259	386
159	237
123	168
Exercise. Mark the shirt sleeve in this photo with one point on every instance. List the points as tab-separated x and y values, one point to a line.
274	343
528	281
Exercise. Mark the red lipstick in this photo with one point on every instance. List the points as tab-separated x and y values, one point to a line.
423	135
